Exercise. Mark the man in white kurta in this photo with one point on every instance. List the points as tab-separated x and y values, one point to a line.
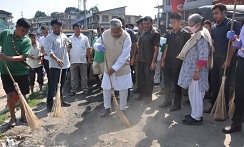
116	44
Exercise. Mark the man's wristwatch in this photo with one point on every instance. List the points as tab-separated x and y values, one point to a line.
197	70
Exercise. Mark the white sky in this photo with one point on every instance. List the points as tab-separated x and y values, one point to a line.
29	7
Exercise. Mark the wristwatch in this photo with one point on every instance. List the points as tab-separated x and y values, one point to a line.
197	70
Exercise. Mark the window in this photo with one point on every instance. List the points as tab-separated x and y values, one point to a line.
168	2
114	17
105	18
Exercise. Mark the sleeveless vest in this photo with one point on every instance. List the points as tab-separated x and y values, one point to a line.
114	47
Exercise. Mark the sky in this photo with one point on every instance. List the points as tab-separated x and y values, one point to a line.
29	7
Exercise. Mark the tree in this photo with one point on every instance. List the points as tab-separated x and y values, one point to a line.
40	14
94	9
72	10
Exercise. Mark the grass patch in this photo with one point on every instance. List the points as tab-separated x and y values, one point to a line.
3	117
35	98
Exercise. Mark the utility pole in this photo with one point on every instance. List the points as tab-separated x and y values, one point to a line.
85	21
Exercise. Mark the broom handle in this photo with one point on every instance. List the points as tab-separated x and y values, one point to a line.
60	75
231	28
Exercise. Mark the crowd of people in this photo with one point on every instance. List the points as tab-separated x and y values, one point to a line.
191	57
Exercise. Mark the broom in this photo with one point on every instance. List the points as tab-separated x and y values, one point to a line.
57	106
121	115
219	109
31	118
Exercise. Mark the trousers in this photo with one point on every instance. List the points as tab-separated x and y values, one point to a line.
122	101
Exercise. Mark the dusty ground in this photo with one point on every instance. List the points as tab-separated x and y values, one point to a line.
150	126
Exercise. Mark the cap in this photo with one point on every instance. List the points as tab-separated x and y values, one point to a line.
129	24
139	21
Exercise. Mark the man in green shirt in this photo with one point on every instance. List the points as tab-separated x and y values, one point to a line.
98	61
15	48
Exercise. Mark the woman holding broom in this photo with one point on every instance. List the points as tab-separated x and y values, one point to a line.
194	71
15	48
236	125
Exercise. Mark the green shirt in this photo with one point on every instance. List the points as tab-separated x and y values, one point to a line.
98	56
23	46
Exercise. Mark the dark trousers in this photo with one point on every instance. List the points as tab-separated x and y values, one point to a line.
239	92
53	82
46	67
216	75
145	80
171	76
32	75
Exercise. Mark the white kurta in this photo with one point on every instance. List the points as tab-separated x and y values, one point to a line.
120	82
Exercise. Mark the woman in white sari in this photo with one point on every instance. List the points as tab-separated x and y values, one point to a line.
194	70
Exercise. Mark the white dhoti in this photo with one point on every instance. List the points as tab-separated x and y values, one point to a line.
121	83
196	100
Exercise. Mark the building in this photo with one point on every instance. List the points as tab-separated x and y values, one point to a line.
5	19
66	19
104	17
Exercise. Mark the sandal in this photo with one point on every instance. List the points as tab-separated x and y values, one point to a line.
23	120
72	93
12	122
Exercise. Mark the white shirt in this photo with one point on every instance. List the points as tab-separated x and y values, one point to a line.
55	44
35	51
41	41
121	82
79	46
162	41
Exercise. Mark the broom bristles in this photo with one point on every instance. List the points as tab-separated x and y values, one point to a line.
121	115
219	108
31	118
57	107
232	106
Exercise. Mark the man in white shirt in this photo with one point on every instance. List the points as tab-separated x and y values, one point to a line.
79	58
34	60
116	44
55	48
41	41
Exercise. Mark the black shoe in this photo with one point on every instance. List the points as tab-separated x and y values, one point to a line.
174	108
49	107
65	104
165	104
208	110
191	121
23	120
189	115
232	128
140	98
72	93
135	90
106	112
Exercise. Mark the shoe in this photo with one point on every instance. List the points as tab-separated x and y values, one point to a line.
106	112
23	120
65	104
139	98
12	122
174	108
187	101
165	104
156	84
49	107
189	115
85	91
232	128
208	110
191	121
72	93
135	90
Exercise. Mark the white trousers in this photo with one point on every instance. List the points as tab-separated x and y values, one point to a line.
196	100
122	98
158	74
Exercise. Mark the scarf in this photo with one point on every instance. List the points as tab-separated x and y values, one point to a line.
193	41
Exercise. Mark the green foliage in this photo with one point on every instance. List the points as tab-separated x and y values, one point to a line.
40	14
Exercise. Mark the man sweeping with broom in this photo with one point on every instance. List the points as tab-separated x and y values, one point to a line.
236	126
116	44
15	48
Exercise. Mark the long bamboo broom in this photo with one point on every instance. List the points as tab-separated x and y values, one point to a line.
31	118
121	115
57	106
219	111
